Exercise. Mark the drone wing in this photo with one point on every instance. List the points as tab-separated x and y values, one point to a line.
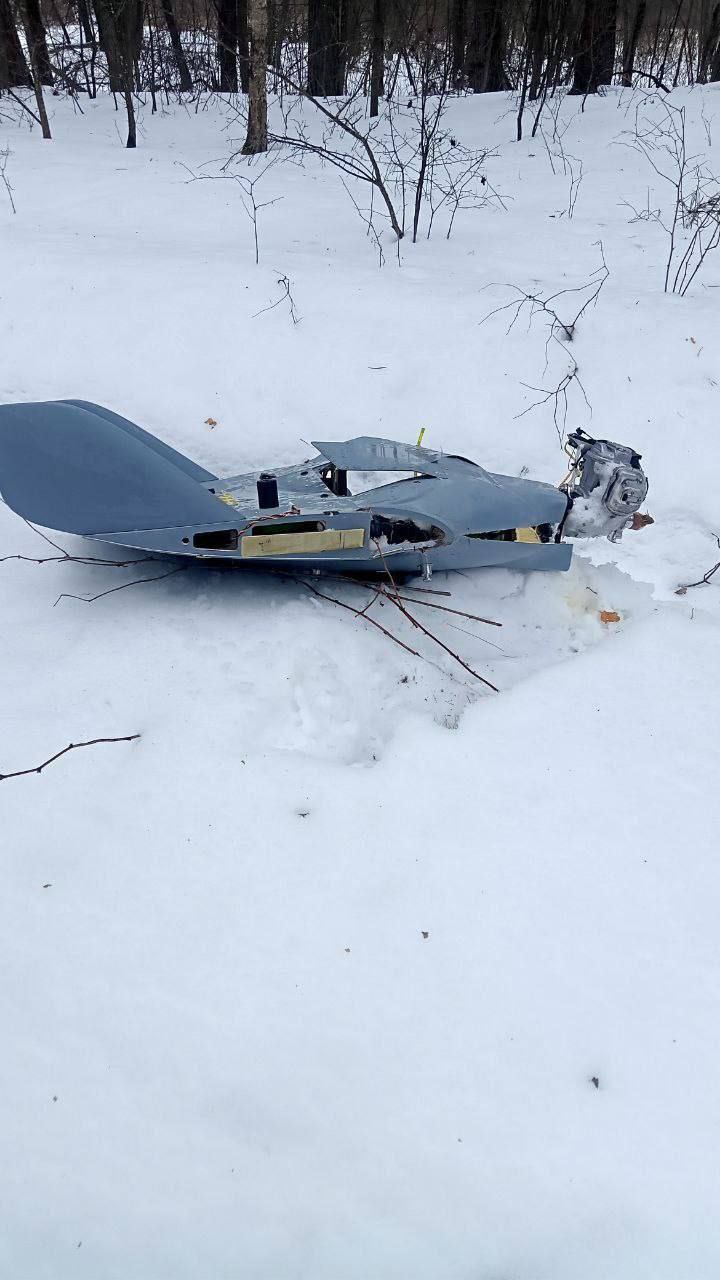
79	468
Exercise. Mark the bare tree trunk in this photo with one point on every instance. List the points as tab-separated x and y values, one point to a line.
178	51
36	80
377	68
132	124
37	40
457	41
85	22
14	72
327	47
244	45
227	45
595	53
120	25
257	130
108	37
715	65
537	42
484	66
635	21
278	20
708	44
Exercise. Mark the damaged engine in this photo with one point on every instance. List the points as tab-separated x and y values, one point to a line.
605	487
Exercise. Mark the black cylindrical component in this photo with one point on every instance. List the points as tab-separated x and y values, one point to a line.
340	486
267	491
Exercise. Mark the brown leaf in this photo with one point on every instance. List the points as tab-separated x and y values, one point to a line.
609	615
211	422
641	520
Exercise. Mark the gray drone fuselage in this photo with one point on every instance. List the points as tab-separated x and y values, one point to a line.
76	467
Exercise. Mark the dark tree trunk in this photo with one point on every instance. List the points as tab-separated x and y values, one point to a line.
233	45
14	72
176	42
86	22
37	41
257	130
708	46
457	41
595	53
109	43
244	45
484	66
35	77
327	47
227	45
278	19
537	44
377	66
120	26
635	24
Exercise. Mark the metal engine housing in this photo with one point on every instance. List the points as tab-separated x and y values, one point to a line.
605	486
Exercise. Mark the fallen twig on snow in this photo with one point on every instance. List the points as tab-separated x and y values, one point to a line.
359	613
285	296
394	596
397	601
460	613
72	746
65	556
4	157
560	331
701	582
388	592
136	582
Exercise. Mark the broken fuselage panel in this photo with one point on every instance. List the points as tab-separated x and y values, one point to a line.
79	468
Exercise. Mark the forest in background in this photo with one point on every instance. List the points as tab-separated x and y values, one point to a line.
369	48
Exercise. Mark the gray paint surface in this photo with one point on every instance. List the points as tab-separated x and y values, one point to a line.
79	468
70	467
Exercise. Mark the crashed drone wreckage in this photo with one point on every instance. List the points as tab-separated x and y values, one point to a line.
76	467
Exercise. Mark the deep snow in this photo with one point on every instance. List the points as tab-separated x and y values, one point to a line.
229	1050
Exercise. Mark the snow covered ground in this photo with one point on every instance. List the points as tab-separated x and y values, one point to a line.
311	981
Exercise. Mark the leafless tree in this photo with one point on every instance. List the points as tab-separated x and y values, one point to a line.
5	154
692	223
247	183
257	129
560	312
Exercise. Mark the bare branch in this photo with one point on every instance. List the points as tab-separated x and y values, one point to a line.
701	582
72	746
286	296
136	582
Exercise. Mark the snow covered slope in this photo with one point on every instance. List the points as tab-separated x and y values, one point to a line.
229	1047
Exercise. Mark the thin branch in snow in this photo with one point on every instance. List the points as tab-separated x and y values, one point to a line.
397	601
359	613
701	582
460	613
72	746
559	330
136	582
558	396
395	598
246	185
285	296
5	154
536	304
